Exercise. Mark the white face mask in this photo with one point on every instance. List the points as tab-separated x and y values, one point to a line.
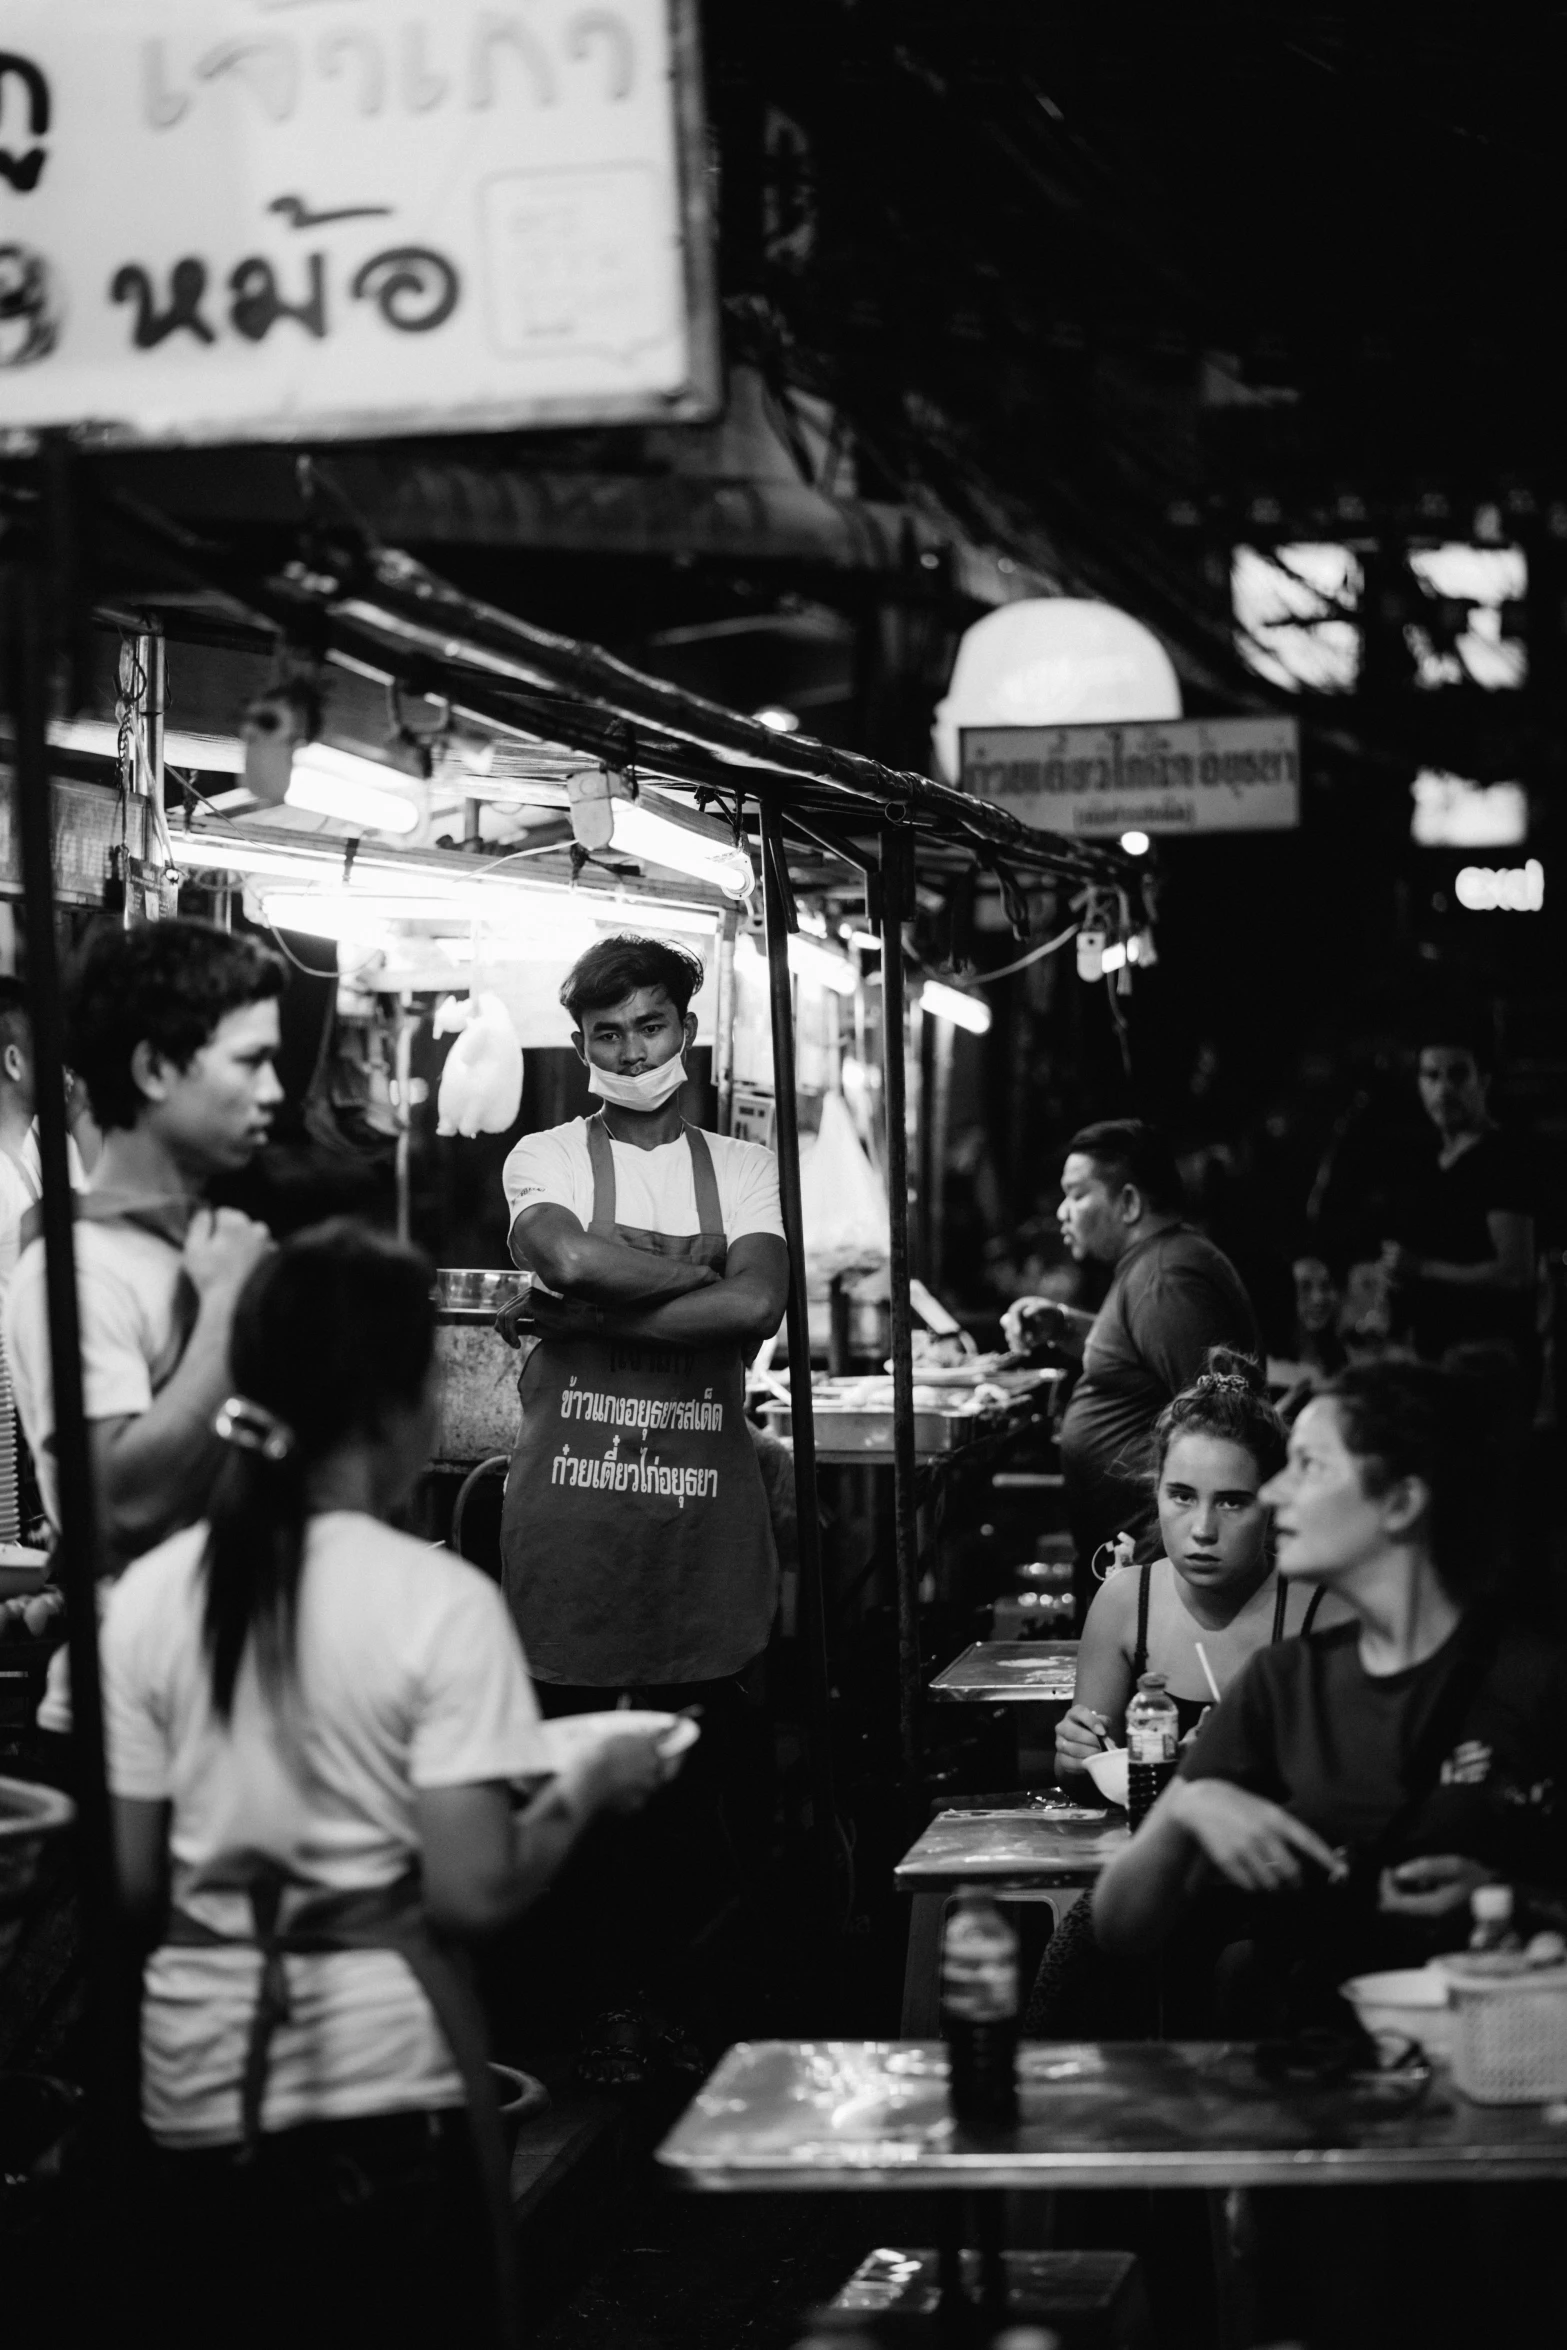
647	1091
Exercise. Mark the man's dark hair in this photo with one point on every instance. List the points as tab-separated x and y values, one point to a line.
617	967
16	1025
1127	1150
163	984
1461	1031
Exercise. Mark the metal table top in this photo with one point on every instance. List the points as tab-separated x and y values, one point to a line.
1067	1845
856	2114
1010	1672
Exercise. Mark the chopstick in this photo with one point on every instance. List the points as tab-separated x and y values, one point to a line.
1207	1669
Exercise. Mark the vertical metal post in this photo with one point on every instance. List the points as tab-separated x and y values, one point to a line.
813	1616
724	1022
895	860
35	629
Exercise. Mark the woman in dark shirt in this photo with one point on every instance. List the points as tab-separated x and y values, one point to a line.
1363	1782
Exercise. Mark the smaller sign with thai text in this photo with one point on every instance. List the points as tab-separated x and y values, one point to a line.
1171	775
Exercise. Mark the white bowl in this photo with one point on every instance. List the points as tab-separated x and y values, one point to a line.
1410	2002
1108	1771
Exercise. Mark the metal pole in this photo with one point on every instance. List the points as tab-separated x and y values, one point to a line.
813	1618
724	1023
35	627
894	874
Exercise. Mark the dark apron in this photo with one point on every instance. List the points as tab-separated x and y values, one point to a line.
389	1917
635	1538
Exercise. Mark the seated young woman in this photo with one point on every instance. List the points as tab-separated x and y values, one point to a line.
1357	1787
1214	1448
315	1728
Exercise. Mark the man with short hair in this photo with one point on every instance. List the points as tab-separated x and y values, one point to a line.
636	1542
1172	1296
1461	1258
173	1027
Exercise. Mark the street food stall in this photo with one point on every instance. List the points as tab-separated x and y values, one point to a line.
355	752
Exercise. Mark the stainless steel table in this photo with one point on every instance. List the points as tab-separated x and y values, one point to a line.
1049	1852
1010	1672
856	2115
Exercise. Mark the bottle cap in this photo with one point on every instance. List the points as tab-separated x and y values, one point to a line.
1152	1680
1491	1905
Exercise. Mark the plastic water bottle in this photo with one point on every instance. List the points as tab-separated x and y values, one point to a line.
1152	1738
1491	1907
979	2009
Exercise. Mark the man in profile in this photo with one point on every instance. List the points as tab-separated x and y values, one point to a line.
1172	1296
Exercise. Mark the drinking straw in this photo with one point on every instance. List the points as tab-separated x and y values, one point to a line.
1207	1669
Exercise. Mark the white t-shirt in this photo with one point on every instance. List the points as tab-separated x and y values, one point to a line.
127	1283
655	1190
410	1676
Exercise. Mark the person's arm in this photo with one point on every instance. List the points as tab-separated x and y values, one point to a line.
744	1306
154	1469
1197	1829
1042	1321
1104	1677
1506	1273
484	1864
141	1859
592	1271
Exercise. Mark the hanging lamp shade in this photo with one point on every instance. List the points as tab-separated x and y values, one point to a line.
1054	661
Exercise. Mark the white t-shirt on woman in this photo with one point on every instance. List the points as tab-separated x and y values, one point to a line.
410	1676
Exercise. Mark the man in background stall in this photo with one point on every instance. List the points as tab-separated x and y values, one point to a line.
638	1555
1172	1296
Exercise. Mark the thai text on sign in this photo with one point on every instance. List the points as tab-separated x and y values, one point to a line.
235	219
1165	776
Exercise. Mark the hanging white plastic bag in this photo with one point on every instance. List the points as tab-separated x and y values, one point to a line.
481	1084
844	1202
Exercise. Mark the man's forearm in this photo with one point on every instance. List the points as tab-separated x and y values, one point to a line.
599	1272
737	1311
1491	1273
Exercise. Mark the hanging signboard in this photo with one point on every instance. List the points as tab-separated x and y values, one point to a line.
1169	775
239	220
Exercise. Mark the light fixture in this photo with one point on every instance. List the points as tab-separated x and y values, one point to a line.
1135	844
780	720
950	1003
1451	812
1113	959
325	781
807	960
99	738
867	941
656	830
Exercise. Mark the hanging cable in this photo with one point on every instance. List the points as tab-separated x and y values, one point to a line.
1035	955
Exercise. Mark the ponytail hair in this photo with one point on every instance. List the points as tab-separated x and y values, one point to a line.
1229	1400
332	1332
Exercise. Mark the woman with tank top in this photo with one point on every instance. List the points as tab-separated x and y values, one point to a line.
1215	1446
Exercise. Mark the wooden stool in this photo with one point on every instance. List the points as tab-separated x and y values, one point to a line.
1093	2300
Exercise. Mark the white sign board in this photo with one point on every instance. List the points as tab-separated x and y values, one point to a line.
1170	775
235	220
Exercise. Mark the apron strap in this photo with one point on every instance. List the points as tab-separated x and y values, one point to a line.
709	1215
392	1918
602	1161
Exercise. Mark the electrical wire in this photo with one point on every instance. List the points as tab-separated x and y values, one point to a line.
1035	955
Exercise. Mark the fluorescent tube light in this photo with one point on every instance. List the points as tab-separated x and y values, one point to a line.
99	738
950	1003
641	832
328	782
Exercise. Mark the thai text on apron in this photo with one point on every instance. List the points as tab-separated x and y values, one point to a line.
635	1538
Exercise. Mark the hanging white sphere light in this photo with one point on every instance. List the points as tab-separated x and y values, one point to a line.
1054	661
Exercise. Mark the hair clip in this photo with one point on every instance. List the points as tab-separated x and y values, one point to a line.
252	1428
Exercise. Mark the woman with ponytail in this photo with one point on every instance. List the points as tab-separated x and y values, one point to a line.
1214	1447
315	1728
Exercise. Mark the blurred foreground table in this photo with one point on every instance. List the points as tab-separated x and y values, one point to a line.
857	2115
1049	1851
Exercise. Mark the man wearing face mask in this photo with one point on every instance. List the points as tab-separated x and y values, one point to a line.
637	1550
636	1540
